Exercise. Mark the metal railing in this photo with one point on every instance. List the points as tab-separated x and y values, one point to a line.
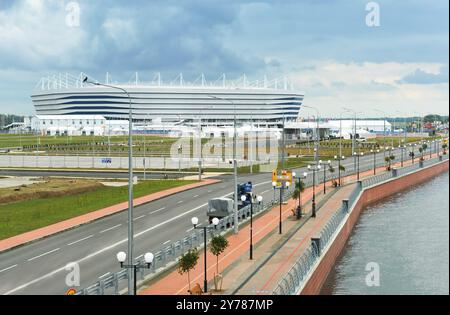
295	277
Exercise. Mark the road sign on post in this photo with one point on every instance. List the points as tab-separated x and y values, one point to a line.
280	177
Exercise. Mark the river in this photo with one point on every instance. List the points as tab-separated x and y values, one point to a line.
405	241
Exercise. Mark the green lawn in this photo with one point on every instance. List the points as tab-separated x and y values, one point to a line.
20	217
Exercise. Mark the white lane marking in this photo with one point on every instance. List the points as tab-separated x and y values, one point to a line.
139	257
140	217
157	210
83	239
49	252
191	229
27	284
209	191
102	276
195	196
166	242
50	274
10	267
111	228
179	201
266	191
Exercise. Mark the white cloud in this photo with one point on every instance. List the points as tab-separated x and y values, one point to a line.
34	34
332	85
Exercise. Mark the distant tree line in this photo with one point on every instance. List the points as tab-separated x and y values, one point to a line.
6	119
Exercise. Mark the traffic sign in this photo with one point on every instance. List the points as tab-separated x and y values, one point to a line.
280	177
71	291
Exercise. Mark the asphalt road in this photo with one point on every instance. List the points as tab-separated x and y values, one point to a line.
39	267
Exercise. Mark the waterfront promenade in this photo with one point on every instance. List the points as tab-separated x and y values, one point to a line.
274	254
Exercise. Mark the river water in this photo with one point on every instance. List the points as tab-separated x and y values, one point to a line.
405	241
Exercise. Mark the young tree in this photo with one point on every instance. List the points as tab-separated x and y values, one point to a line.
299	188
217	246
187	262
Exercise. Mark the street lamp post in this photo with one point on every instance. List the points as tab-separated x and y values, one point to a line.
148	258
299	208
236	219
205	228
284	185
401	147
314	169
325	165
259	199
339	159
374	160
130	181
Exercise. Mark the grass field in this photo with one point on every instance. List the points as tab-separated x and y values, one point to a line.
22	216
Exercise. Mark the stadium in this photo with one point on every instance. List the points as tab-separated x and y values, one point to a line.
174	101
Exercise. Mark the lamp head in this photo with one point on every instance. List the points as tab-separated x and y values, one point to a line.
121	257
215	221
305	174
194	221
148	258
294	174
259	198
243	198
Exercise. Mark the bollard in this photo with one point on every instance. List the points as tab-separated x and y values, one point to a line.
360	184
345	205
421	164
440	158
394	172
315	241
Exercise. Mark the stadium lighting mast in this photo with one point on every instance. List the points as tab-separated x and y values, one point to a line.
130	184
235	217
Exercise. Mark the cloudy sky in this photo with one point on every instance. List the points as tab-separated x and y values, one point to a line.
324	46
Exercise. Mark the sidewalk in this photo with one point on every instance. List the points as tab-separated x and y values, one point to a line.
234	262
34	235
268	276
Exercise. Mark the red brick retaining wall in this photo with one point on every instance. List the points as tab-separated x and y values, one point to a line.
370	195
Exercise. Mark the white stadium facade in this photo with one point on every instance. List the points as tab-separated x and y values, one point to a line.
176	101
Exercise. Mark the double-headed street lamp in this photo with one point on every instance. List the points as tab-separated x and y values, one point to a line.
374	160
325	165
356	155
205	228
284	185
314	168
148	258
130	180
259	199
339	159
299	177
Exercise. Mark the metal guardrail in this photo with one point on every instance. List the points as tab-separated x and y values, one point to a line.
295	277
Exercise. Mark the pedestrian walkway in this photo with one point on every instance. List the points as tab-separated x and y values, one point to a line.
267	276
